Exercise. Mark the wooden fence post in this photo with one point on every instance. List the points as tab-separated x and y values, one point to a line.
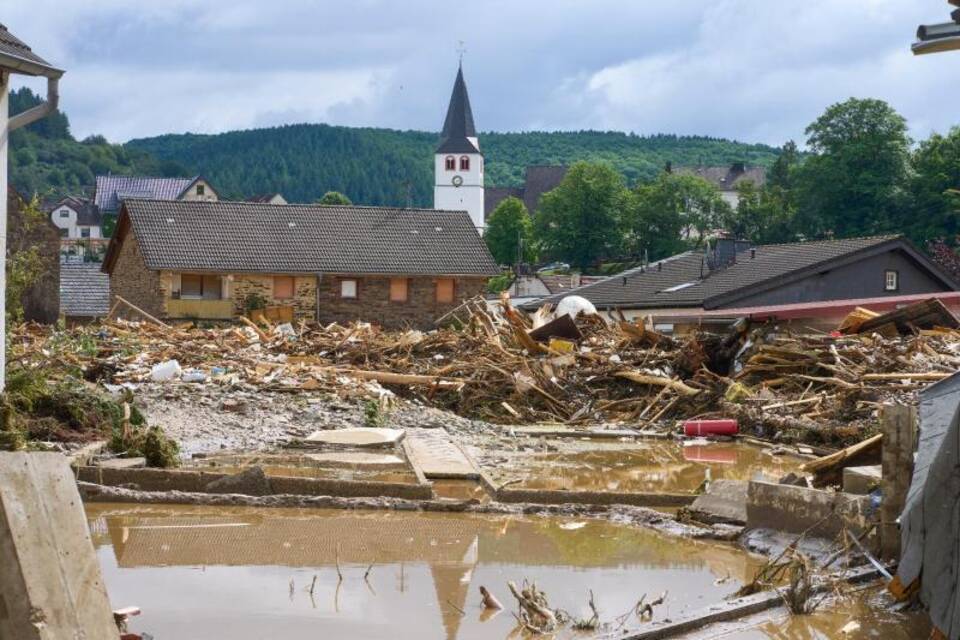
898	423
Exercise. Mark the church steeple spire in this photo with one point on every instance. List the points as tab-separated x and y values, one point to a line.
459	133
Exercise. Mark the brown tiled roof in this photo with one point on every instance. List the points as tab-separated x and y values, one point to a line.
650	286
540	179
563	283
84	290
11	45
727	178
492	196
262	238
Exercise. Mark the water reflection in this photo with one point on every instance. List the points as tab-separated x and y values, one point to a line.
201	572
651	467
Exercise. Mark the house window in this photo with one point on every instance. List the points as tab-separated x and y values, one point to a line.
200	189
348	289
84	232
451	163
200	287
64	213
283	287
891	280
445	290
398	289
464	163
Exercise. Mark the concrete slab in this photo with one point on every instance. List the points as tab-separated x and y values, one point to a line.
356	437
50	584
725	501
123	463
434	453
357	459
793	509
861	480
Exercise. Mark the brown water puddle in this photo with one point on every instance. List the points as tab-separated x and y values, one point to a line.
647	467
870	610
245	574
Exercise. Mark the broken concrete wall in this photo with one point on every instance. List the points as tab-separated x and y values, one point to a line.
50	582
794	509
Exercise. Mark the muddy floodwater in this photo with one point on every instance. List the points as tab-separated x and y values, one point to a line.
654	466
245	574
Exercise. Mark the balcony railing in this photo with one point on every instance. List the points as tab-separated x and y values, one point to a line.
200	309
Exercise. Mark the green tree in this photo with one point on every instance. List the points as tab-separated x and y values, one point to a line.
580	220
509	233
673	212
334	197
781	173
763	215
935	189
853	183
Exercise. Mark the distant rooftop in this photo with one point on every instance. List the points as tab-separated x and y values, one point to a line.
84	290
112	189
727	178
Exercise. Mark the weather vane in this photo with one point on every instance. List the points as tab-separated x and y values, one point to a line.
461	50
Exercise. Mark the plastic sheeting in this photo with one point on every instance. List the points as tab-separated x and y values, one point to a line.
930	523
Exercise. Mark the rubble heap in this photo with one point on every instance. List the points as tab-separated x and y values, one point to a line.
492	365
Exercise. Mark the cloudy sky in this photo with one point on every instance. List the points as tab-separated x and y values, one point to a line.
752	70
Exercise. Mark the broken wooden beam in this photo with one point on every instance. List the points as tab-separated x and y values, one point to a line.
658	381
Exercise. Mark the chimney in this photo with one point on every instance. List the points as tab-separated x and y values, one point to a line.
575	279
725	250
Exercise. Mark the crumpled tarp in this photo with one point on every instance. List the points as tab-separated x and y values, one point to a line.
930	523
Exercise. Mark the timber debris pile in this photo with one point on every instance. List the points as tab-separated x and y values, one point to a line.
500	365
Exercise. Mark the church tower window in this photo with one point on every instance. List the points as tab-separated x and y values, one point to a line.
451	163
464	163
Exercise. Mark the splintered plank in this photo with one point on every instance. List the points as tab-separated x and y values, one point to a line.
432	452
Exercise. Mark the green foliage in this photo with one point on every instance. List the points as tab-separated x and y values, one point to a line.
376	412
254	302
46	160
853	183
334	197
580	220
150	443
499	283
509	233
934	188
384	167
25	267
764	216
671	213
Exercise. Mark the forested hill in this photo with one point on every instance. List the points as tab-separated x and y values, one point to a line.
383	166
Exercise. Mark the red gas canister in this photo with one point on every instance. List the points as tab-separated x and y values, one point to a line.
726	427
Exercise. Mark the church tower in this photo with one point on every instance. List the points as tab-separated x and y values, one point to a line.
458	163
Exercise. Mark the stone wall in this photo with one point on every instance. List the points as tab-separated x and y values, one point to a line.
304	299
131	280
373	301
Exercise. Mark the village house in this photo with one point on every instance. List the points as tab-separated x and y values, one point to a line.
77	218
728	179
269	198
537	180
112	190
814	283
219	260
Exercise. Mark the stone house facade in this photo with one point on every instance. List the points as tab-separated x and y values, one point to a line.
216	260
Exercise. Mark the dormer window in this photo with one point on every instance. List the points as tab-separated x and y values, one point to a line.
464	163
451	163
200	190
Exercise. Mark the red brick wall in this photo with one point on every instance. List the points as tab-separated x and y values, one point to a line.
373	301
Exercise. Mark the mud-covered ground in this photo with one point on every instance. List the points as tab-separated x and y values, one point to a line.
207	418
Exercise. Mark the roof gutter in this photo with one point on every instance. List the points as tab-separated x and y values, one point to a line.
40	111
17	64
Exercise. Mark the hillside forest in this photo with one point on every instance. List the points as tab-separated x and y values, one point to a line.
859	174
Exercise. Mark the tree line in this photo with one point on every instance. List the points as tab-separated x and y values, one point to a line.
861	175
